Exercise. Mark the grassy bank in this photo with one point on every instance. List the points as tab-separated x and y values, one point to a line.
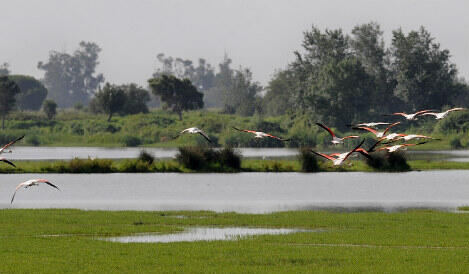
366	242
247	165
159	129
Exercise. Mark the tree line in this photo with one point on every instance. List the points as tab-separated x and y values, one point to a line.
335	77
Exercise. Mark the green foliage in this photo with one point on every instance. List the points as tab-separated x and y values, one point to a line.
110	99
146	157
8	92
455	142
131	141
202	158
454	123
308	162
32	140
178	95
32	92
71	78
136	99
385	161
50	109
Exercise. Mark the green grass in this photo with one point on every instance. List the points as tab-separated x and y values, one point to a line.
365	242
463	208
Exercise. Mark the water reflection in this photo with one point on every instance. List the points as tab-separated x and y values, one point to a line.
204	234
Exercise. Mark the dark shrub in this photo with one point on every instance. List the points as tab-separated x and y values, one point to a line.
308	162
32	140
455	142
131	141
146	157
384	161
191	157
230	158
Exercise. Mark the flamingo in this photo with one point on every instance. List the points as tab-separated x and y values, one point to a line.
395	148
372	124
416	136
30	183
194	130
393	137
411	116
2	149
442	115
378	134
341	157
335	139
260	134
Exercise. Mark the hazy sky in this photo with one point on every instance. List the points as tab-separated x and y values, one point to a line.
259	34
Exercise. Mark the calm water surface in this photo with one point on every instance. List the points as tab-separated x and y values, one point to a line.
242	192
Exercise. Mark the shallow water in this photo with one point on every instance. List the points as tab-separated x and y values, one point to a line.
67	153
203	234
242	192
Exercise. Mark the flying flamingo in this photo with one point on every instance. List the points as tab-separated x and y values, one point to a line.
395	148
372	124
393	137
411	116
340	157
442	115
2	149
378	134
335	139
416	136
30	183
260	134
194	130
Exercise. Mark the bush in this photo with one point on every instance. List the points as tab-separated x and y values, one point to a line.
131	141
146	157
32	140
384	161
455	142
308	161
202	158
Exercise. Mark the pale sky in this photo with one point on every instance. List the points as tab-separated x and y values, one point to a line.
258	34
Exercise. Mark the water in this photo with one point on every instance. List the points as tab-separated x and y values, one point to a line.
203	234
67	153
242	192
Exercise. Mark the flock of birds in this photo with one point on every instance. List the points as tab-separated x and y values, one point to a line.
383	138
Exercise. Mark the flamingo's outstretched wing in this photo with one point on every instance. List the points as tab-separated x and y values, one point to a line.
51	184
351	136
205	136
11	143
244	130
275	137
367	129
8	162
323	155
423	111
386	130
430	113
326	128
363	152
354	150
396	113
14	193
455	109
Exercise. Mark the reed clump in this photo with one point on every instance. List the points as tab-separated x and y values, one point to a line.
383	161
309	163
209	159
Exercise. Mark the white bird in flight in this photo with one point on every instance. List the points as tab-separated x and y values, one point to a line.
378	134
194	130
415	136
441	115
260	134
371	124
335	140
341	157
30	183
411	116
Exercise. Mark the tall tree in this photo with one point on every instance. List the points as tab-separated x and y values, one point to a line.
425	77
110	99
279	96
8	92
136	99
176	94
32	92
71	78
240	97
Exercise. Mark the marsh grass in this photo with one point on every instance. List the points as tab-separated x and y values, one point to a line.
209	159
384	161
364	242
